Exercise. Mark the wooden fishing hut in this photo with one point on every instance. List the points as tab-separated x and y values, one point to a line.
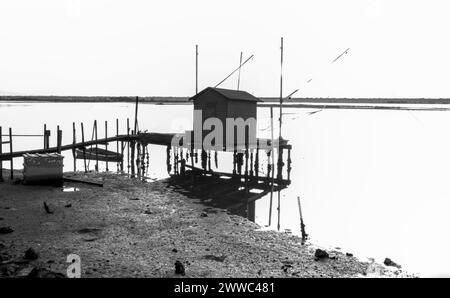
225	104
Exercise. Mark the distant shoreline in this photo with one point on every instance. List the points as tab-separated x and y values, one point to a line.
185	100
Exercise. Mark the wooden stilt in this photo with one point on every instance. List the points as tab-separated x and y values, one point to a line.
106	144
58	139
251	163
280	164
74	140
132	145
11	151
84	148
168	164
279	210
96	144
128	146
117	143
122	150
289	167
45	136
257	160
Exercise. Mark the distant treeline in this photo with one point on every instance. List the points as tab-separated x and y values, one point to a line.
180	100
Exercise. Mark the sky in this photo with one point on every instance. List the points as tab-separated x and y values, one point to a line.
147	48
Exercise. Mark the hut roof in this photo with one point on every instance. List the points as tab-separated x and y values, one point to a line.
229	94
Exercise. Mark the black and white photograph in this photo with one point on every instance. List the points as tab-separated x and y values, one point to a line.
230	141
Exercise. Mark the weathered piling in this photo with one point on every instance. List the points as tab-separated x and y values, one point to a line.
11	151
257	160
132	149
58	139
302	225
289	166
117	144
128	147
74	140
279	210
280	164
84	148
106	144
47	134
168	163
96	144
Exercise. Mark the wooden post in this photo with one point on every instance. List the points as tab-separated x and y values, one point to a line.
117	143
11	151
84	147
234	161
58	140
289	168
132	157
196	69
1	160
280	163
169	166
73	150
106	145
45	136
302	225
96	144
128	146
251	162
281	89
270	208
257	159
279	210
136	116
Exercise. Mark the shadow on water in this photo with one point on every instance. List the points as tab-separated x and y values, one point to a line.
236	193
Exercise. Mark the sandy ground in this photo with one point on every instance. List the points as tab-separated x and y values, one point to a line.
130	228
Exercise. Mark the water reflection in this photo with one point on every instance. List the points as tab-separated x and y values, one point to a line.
238	191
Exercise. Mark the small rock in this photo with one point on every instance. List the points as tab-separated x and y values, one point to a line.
47	208
321	254
179	268
215	258
6	230
204	214
148	212
1	218
389	262
134	199
68	205
31	254
349	254
25	272
175	250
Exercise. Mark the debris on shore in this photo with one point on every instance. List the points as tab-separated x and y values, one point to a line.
389	262
114	237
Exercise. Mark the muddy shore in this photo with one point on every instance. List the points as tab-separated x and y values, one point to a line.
130	228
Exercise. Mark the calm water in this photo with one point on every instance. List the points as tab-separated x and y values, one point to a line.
372	182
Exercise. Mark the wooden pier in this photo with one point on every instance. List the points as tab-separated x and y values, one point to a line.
164	139
245	161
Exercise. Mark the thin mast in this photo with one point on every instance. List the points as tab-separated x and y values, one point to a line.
239	76
196	69
281	88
